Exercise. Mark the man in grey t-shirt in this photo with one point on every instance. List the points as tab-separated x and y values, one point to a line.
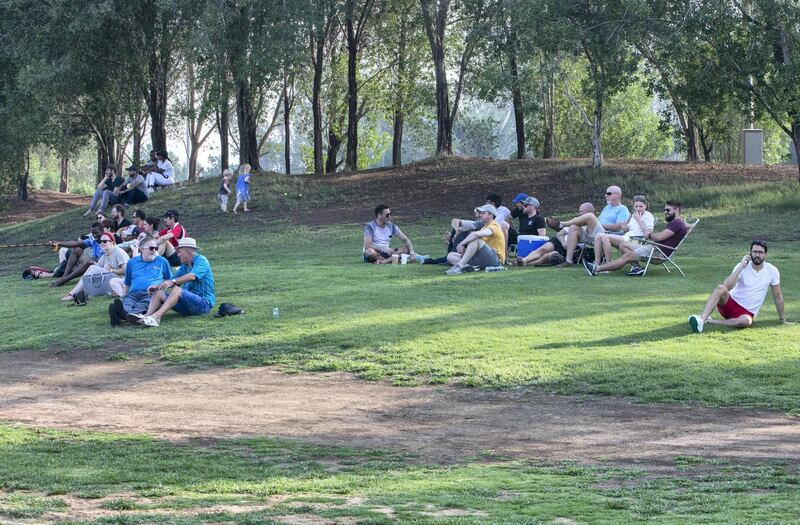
378	236
135	189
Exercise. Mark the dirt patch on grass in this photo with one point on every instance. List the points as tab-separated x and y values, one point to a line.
43	203
80	389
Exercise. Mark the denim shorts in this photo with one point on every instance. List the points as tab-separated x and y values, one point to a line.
191	304
383	254
136	302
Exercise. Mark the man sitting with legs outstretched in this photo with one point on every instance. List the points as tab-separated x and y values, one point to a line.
633	252
740	296
196	297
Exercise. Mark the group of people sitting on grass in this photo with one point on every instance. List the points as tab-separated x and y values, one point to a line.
137	187
135	262
487	242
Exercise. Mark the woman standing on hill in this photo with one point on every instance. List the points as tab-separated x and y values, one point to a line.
243	187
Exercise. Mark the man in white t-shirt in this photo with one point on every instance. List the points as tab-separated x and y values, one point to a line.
378	235
740	296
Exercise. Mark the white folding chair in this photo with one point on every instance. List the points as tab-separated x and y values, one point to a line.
658	252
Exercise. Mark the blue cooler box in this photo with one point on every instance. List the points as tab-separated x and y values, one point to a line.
527	243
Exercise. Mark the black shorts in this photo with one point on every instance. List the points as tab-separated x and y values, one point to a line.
385	255
559	248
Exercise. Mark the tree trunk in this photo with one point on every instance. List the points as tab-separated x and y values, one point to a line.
597	131
434	15
691	140
548	150
796	143
157	101
444	127
397	137
193	163
287	129
22	187
351	162
137	145
516	96
106	148
223	127
334	143
704	143
246	117
318	51
63	186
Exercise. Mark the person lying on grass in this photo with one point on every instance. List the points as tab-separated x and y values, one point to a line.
83	254
378	236
640	224
196	297
632	252
584	228
113	260
740	297
482	248
142	273
553	251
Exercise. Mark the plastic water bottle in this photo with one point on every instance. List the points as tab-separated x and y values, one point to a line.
495	268
276	313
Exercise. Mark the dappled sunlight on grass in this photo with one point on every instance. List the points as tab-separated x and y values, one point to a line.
411	324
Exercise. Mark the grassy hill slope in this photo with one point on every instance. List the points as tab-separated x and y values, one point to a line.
560	329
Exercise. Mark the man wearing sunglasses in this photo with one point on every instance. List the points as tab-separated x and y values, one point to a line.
584	228
631	253
740	297
378	235
141	273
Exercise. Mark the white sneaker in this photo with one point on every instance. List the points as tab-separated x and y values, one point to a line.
149	321
455	270
696	323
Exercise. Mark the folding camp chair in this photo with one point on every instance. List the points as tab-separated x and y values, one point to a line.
658	254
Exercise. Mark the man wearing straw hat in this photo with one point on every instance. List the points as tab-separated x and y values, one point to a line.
196	297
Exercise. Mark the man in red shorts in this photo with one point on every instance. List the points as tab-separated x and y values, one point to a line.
740	296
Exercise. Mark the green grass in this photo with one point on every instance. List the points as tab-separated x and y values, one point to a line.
558	329
145	480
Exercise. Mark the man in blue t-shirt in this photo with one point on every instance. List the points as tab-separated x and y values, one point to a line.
143	275
583	228
196	297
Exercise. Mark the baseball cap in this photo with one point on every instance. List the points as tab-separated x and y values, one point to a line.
519	198
532	201
488	207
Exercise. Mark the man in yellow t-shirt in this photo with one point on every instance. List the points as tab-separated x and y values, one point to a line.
482	248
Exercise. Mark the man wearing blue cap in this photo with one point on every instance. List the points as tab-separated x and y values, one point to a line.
516	213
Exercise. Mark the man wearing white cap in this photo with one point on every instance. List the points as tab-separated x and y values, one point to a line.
482	248
196	297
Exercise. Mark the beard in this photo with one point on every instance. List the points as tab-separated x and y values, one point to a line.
669	216
757	260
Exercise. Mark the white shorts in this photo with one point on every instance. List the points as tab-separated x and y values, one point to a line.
643	250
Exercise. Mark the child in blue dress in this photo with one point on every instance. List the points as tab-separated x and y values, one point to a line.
242	187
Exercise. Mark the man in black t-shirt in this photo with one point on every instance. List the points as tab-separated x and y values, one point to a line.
516	213
531	223
118	216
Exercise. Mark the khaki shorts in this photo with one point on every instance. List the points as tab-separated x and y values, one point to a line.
643	250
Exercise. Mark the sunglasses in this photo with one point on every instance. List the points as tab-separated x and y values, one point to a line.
667	210
609	193
151	248
104	241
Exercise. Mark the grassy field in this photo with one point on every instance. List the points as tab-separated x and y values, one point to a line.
554	328
125	479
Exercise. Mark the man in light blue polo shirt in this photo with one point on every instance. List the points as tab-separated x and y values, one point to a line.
583	228
196	297
143	274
